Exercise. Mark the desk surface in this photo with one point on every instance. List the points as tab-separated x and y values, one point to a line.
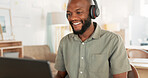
139	62
9	41
138	47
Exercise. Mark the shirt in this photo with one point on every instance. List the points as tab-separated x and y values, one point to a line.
100	56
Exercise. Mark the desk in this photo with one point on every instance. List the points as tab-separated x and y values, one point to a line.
137	47
11	46
141	65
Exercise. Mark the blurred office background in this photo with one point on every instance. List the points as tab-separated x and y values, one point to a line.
40	22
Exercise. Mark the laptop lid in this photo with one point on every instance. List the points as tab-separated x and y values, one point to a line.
24	68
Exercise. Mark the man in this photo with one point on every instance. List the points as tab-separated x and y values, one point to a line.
89	52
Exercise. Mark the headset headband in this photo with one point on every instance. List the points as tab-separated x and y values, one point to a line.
96	5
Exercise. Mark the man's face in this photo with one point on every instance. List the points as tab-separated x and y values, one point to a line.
78	15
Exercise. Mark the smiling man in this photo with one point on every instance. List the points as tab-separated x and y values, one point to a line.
90	52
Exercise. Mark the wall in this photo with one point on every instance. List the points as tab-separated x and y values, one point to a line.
29	18
28	21
116	12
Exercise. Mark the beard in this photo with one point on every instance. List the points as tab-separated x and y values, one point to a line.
86	25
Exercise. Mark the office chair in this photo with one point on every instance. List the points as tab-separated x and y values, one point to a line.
137	53
133	73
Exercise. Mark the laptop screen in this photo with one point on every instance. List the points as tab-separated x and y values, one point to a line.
24	68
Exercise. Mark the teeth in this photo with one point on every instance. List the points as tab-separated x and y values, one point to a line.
76	23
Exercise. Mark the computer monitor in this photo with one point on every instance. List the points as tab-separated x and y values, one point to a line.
24	68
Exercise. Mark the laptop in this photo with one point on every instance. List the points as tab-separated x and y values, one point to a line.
24	68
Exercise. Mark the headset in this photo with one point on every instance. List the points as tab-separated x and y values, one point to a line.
94	10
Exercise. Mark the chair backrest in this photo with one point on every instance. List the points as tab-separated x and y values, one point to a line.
39	52
133	73
137	53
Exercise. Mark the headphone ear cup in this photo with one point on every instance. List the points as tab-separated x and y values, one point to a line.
92	11
97	12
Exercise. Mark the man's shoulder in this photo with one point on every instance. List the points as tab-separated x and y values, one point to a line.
109	34
67	37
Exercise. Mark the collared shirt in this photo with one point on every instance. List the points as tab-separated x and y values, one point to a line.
100	56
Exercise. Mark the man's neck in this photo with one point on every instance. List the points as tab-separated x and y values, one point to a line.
87	33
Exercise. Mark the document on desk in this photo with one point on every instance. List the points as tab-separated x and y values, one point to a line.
141	65
139	60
